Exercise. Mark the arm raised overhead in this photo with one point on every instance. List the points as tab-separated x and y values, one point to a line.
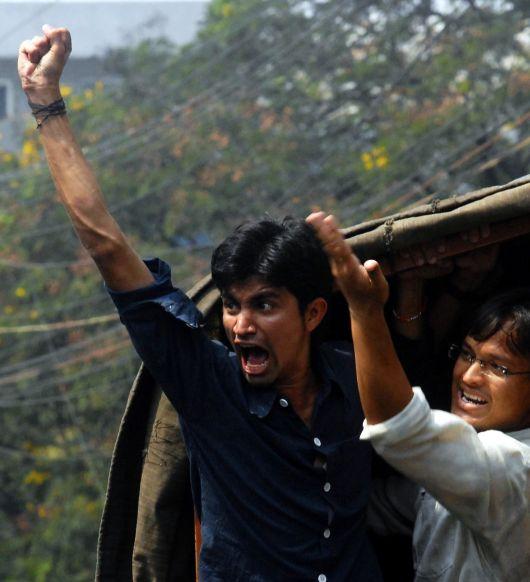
40	65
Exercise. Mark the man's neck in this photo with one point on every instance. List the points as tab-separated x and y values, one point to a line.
302	395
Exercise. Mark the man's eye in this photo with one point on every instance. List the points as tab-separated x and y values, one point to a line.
467	355
265	306
229	306
499	370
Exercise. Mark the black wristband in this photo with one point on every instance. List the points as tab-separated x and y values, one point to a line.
53	109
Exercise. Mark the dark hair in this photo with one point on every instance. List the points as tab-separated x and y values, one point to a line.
285	254
510	312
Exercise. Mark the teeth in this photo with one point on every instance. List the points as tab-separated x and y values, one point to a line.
473	399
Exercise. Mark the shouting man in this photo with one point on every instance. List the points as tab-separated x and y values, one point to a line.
280	479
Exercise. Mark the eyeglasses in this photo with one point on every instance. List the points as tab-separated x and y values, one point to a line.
463	354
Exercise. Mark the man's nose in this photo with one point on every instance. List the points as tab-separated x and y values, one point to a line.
473	374
244	324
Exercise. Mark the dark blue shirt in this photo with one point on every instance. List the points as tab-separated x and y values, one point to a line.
277	501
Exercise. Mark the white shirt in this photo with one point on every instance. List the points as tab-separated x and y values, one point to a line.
472	512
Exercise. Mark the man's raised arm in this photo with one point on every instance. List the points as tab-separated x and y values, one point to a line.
40	65
383	386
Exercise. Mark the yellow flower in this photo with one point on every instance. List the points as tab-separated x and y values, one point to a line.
34	314
377	158
99	86
42	512
20	292
30	153
381	157
227	10
91	507
76	104
367	161
9	309
36	477
66	91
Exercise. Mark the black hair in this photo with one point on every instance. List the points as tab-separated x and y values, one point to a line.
285	254
509	312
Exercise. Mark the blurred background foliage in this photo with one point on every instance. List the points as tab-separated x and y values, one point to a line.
278	106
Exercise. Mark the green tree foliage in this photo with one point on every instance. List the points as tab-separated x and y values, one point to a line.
277	106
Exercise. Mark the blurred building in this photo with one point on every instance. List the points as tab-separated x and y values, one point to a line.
80	74
96	27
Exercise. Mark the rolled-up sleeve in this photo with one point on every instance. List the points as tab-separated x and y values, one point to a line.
165	328
480	477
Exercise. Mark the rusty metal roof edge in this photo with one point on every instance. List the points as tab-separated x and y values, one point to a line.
481	207
448	214
441	206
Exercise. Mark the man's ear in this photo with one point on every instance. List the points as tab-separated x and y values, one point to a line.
314	313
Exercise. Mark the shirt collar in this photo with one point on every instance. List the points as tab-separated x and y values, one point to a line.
260	399
332	371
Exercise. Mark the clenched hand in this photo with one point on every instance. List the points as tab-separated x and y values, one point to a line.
41	61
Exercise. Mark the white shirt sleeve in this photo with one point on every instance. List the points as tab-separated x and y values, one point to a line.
482	478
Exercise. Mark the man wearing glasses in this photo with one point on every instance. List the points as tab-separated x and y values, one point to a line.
471	466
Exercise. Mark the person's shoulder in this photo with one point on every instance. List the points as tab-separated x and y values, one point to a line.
508	442
339	350
338	360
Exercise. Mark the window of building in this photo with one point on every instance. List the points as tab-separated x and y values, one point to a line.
3	101
6	99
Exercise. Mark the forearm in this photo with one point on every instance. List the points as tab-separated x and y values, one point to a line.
81	196
409	308
383	386
78	188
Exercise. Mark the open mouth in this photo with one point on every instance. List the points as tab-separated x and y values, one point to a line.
470	399
254	360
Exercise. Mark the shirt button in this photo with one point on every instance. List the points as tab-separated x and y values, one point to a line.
327	533
317	441
327	487
283	403
322	578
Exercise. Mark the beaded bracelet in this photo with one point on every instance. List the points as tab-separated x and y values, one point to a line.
409	318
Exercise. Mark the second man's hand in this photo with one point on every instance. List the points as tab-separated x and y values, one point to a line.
383	386
363	285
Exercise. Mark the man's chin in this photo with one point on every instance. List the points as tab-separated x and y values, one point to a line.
257	375
258	379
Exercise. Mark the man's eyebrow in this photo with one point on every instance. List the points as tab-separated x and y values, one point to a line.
502	359
465	344
266	294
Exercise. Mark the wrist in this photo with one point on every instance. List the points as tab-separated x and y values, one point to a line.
409	303
43	113
361	313
409	317
43	95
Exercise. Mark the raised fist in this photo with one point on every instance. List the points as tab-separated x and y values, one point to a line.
41	62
